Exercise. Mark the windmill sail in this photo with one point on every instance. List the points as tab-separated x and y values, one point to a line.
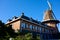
49	4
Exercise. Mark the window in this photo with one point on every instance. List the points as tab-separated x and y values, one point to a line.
49	31
31	27
22	25
46	31
26	25
36	28
40	29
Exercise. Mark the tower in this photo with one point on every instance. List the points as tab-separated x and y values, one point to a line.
50	19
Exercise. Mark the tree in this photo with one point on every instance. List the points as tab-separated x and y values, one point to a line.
6	32
3	32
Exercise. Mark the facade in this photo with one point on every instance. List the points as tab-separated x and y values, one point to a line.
26	23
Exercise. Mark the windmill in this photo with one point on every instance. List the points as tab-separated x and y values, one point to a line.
49	18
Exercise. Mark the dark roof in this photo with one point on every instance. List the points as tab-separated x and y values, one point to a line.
25	17
30	19
56	21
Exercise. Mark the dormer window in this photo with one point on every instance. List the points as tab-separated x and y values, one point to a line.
9	20
22	14
14	17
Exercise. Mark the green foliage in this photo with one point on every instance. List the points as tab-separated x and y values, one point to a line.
38	38
28	36
8	32
5	32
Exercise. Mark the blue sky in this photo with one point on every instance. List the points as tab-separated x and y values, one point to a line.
31	8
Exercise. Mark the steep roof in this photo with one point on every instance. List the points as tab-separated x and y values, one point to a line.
30	19
49	17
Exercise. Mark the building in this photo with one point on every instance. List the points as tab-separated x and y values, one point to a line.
47	26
